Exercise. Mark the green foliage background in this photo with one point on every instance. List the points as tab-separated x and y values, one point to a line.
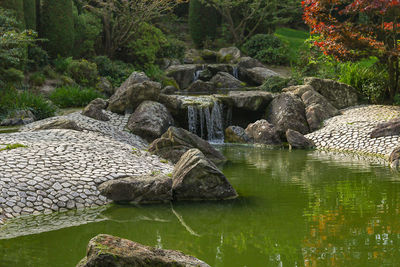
203	22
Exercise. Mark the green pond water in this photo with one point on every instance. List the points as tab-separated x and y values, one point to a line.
297	208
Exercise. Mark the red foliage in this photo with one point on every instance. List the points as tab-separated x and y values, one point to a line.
351	29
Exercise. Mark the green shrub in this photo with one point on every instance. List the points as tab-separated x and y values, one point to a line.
37	79
173	48
268	49
366	77
202	22
61	64
73	96
87	28
37	58
18	7
58	27
83	72
30	14
275	84
11	100
115	71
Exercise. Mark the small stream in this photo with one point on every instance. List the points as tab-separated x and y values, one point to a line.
296	208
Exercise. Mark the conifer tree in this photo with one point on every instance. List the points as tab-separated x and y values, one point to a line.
30	14
202	22
57	25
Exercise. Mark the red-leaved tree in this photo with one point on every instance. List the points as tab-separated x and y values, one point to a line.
355	29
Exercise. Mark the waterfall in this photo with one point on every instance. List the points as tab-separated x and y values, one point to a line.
192	119
207	122
235	72
197	74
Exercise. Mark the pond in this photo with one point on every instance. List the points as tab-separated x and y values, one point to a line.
297	208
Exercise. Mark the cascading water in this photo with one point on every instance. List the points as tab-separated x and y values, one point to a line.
197	74
235	72
207	121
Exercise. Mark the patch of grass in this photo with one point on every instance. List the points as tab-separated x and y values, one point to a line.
164	161
12	99
73	96
294	38
12	146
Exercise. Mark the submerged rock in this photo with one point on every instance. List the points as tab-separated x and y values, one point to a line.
176	141
297	140
95	108
236	134
110	251
287	111
262	132
339	94
59	123
138	189
197	178
389	128
150	120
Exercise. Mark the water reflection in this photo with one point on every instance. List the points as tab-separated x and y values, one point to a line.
295	209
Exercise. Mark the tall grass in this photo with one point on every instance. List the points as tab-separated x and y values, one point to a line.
12	99
73	96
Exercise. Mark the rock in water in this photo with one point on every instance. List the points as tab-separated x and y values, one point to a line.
236	134
95	108
262	132
138	189
150	120
197	178
110	251
339	94
297	140
389	128
59	123
395	159
176	141
287	111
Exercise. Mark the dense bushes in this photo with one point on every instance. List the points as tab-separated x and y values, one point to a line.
83	72
73	96
202	22
58	27
18	7
12	100
268	49
115	71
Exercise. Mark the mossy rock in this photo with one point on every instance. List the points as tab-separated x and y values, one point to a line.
169	81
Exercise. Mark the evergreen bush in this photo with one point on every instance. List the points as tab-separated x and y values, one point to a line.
83	72
203	22
58	27
268	49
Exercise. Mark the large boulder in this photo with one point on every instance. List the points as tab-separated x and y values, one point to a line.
298	90
226	81
197	178
262	132
119	100
176	141
201	87
110	251
150	120
389	128
256	76
229	54
251	100
141	92
318	109
173	103
249	63
339	94
287	111
95	108
105	86
183	74
215	68
236	134
59	123
18	117
297	140
138	189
